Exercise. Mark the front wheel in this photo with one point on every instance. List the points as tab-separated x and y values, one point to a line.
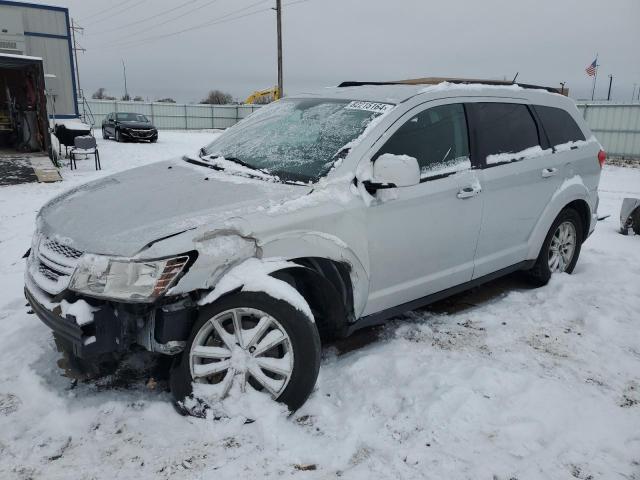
635	221
249	340
104	134
118	137
561	248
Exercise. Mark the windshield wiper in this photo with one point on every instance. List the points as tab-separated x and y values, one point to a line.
241	163
237	161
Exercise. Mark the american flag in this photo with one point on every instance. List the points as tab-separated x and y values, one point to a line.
591	69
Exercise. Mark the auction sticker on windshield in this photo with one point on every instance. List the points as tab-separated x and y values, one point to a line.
369	106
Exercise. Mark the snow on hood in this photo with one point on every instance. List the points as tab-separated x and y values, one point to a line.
120	214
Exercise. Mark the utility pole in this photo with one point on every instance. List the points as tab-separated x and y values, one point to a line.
610	82
124	73
633	93
279	22
75	28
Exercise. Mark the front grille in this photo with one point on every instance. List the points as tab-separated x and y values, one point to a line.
141	133
51	265
63	250
48	272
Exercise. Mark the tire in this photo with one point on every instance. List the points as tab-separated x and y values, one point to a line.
301	347
104	134
542	271
118	137
154	140
635	221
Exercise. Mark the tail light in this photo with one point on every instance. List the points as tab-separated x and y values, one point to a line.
602	157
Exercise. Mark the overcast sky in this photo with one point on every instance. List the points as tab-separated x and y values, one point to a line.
328	41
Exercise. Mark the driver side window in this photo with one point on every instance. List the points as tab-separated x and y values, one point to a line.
437	138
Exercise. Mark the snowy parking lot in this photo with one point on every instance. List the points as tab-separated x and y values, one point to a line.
505	382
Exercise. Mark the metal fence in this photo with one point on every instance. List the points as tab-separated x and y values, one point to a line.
174	116
615	125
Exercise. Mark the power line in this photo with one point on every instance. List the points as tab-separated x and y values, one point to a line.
107	9
198	26
215	21
146	19
170	19
116	13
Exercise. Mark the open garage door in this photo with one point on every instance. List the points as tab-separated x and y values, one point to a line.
23	105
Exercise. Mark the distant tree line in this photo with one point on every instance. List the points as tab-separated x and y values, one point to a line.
214	97
217	97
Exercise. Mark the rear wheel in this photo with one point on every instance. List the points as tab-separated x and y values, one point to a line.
250	340
635	221
561	248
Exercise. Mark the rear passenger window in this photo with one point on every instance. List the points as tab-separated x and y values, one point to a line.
559	125
436	137
502	128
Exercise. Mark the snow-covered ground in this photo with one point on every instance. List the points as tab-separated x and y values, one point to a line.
504	382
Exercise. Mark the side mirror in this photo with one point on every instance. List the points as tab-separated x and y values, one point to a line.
391	170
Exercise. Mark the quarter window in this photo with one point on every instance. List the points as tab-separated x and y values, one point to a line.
502	128
559	125
437	138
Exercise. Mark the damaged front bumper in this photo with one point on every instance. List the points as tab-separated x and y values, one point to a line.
104	334
115	327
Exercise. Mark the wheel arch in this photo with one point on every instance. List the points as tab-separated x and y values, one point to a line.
326	286
325	254
576	196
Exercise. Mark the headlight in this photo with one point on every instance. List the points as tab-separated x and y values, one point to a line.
126	279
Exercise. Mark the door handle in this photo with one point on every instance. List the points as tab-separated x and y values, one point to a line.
549	172
468	192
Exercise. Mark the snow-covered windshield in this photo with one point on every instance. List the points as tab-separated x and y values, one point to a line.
295	139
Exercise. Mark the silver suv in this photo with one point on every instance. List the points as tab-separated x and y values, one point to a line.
317	215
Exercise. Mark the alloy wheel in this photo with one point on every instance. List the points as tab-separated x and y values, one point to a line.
563	247
243	346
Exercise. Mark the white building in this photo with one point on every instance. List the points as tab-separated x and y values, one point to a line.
42	31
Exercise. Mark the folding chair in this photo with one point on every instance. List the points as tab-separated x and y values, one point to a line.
84	145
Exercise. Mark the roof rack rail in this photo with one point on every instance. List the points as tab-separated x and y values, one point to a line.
436	80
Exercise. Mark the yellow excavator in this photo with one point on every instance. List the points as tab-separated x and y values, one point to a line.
263	96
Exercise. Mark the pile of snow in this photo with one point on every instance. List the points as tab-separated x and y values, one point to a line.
80	310
73	124
519	383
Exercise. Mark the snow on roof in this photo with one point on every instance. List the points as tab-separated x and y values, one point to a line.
20	57
72	124
398	93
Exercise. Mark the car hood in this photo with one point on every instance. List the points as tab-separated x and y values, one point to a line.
136	124
122	213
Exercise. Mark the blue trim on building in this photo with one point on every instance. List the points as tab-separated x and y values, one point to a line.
73	68
33	5
46	35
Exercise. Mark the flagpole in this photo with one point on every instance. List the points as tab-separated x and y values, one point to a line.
595	77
